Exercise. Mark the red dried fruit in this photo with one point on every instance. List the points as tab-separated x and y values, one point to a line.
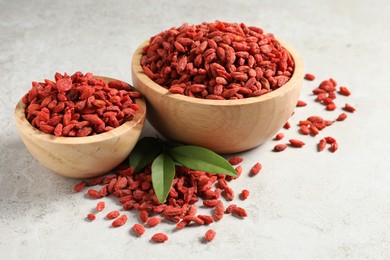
159	237
342	117
256	169
206	219
113	214
209	235
235	160
304	130
218	211
100	206
349	108
279	136
296	143
244	194
301	103
321	145
280	147
79	186
94	194
344	91
120	221
143	216
138	229
309	76
330	140
287	125
91	216
151	222
333	147
240	212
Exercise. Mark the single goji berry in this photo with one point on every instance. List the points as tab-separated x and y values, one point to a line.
159	237
100	206
209	235
120	221
244	194
91	216
113	214
235	160
296	143
256	168
151	222
279	136
280	147
309	76
138	229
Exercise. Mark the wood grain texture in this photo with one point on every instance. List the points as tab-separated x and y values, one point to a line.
224	126
81	157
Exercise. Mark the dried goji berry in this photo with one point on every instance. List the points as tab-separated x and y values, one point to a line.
296	143
256	168
244	194
309	76
341	117
91	216
240	212
138	229
113	214
235	160
321	145
344	91
151	222
349	108
301	103
209	235
279	136
280	147
79	186
120	221
218	211
100	206
159	237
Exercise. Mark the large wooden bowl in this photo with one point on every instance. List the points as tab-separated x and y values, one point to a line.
225	126
81	157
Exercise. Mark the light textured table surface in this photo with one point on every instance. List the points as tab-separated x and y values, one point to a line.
303	205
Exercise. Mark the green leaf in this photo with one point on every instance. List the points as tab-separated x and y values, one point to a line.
163	172
144	152
202	159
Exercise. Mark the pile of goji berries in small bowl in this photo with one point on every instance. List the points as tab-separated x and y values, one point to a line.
81	125
225	86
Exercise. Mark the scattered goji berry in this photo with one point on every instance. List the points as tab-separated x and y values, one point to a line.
296	143
349	108
309	76
120	221
279	136
256	168
113	214
235	160
209	235
91	216
151	222
244	194
100	206
159	237
342	117
138	229
280	147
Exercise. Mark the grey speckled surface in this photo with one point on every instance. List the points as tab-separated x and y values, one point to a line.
304	205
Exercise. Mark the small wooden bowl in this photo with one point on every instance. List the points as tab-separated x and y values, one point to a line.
225	126
81	157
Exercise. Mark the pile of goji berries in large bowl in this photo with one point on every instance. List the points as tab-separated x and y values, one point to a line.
80	126
225	86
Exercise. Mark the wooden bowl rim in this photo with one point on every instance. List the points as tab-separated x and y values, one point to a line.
294	80
24	125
